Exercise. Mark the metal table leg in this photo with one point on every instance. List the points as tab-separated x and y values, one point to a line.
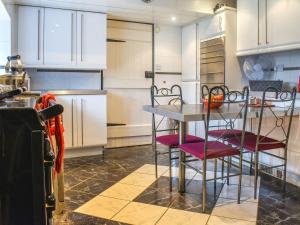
181	175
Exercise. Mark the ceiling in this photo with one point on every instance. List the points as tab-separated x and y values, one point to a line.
173	12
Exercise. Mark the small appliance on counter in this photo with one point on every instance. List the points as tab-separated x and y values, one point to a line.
14	75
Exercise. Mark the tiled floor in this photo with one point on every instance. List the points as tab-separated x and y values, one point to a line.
123	190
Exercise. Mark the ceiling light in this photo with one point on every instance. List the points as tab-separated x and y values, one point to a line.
173	18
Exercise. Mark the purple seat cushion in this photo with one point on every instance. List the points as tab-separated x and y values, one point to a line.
225	134
215	149
250	143
172	140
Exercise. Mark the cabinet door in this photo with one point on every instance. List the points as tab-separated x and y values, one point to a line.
248	25
189	52
60	38
30	34
91	40
93	120
283	22
69	118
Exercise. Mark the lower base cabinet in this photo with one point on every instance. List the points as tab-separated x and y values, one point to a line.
85	120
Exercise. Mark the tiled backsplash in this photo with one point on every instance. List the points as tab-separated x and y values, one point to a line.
64	80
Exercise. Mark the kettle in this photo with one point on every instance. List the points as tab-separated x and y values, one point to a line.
14	75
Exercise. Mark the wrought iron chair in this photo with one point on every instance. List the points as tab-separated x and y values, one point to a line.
172	96
233	108
257	143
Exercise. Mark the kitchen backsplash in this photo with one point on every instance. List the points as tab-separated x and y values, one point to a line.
64	80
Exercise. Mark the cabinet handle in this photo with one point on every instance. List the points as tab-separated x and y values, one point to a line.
267	41
258	23
82	102
39	17
72	117
81	22
72	31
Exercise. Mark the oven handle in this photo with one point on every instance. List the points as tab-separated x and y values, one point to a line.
51	112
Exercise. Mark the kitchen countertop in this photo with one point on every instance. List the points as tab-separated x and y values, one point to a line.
75	92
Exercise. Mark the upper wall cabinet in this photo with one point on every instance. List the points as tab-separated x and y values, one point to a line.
91	39
60	37
57	38
30	34
267	26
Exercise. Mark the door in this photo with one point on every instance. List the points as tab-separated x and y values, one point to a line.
69	118
30	34
59	38
92	120
189	52
283	22
91	40
248	35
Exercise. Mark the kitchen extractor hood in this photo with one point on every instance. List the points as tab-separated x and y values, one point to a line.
5	31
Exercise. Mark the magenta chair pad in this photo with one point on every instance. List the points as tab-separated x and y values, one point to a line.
250	143
172	140
215	149
225	133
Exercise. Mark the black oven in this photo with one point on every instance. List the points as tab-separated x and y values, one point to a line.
26	163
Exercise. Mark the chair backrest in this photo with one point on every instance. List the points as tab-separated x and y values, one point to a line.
234	107
165	96
237	97
279	107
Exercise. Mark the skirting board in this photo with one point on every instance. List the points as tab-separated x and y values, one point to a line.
128	141
79	152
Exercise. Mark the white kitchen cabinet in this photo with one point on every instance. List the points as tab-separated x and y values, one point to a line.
69	117
30	34
60	37
248	25
85	119
265	26
93	117
283	23
212	26
189	52
91	39
64	39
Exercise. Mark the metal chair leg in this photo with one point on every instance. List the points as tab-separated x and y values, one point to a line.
284	169
251	163
204	186
223	168
103	150
155	155
228	169
215	178
240	178
170	169
256	174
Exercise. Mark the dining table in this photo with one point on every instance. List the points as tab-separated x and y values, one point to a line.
184	113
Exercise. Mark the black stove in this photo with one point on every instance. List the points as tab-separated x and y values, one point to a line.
26	162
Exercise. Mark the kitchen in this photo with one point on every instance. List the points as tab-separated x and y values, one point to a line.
87	70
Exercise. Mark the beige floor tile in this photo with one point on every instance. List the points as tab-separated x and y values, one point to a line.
231	192
216	220
103	207
140	214
189	173
123	191
150	169
138	179
229	208
180	217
